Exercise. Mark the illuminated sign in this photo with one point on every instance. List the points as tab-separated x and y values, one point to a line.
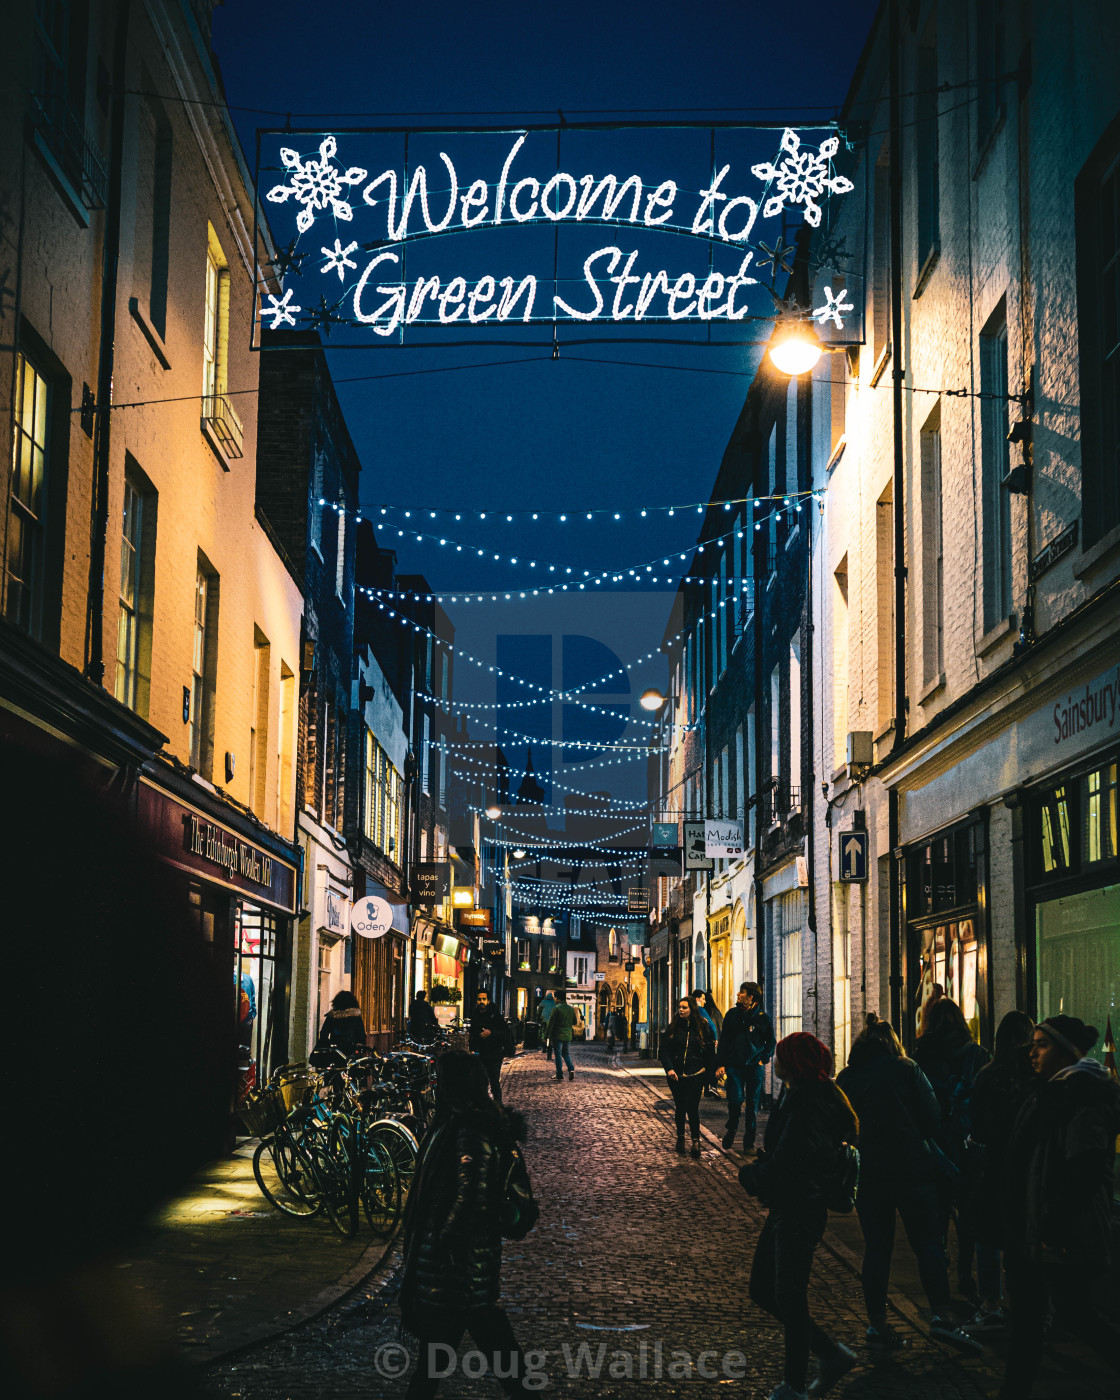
355	222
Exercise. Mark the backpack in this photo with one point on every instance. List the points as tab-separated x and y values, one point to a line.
843	1186
520	1211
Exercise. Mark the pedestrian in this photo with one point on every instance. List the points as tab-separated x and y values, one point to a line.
746	1044
544	1015
687	1054
343	1029
1057	1199
897	1111
491	1040
792	1177
711	1013
453	1230
612	1028
951	1060
560	1025
422	1024
998	1093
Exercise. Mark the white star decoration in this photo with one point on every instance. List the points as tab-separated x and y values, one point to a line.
338	259
282	311
316	184
803	176
832	308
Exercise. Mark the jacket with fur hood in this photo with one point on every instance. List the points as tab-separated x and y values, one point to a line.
1057	1180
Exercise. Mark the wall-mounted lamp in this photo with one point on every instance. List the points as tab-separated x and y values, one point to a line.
231	764
795	350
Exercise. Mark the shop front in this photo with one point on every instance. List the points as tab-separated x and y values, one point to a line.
658	973
379	965
239	882
720	938
1073	895
947	947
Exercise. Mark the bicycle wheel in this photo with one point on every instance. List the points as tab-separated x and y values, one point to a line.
401	1146
337	1168
380	1189
286	1177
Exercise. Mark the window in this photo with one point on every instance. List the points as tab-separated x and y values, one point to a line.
204	669
772	479
775	725
153	213
27	503
284	748
926	137
59	97
1097	205
340	553
989	68
841	975
382	799
134	617
749	785
933	554
219	421
996	463
1077	957
837	370
881	261
791	437
884	604
795	723
258	724
840	696
785	914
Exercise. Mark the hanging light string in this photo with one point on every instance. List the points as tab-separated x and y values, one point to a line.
560	695
642	572
513	768
633	804
451	705
596	513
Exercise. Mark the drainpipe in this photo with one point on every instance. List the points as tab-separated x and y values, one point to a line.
809	776
95	615
759	902
898	373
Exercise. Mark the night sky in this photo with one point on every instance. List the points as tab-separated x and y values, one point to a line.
633	423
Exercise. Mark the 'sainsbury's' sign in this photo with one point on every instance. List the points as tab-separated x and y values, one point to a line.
613	288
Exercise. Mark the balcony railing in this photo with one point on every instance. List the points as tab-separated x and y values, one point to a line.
63	133
779	803
219	416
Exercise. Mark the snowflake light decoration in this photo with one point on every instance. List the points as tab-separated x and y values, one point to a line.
338	259
779	258
803	176
288	260
832	308
316	184
282	311
323	317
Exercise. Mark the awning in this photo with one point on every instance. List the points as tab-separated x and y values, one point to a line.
444	966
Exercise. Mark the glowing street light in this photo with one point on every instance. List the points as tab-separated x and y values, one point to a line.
796	350
651	699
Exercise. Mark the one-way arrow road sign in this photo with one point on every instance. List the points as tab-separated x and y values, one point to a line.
853	855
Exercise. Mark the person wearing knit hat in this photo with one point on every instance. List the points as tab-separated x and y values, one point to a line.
1057	1197
793	1176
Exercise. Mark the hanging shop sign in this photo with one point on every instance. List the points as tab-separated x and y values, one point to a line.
473	918
357	204
637	900
664	834
335	908
723	840
431	882
695	847
371	917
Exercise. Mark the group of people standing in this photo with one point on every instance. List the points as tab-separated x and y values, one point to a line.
1013	1152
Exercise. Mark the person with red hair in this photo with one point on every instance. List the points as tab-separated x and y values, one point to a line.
793	1176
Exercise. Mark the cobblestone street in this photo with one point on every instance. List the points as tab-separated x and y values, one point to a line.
639	1254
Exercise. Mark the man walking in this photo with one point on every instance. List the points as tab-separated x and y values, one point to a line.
491	1040
746	1043
560	1025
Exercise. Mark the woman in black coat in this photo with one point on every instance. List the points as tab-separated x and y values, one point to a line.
792	1177
453	1229
898	1112
343	1027
951	1060
688	1054
1057	1199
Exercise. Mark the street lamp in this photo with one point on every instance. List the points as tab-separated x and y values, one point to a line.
651	699
796	350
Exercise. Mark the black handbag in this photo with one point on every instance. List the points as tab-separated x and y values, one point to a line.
520	1211
844	1184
